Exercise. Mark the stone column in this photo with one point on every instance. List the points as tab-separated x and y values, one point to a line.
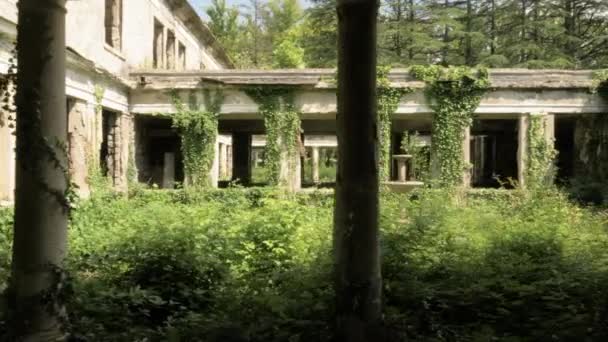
549	125
241	154
122	147
466	151
223	160
78	146
168	171
229	161
7	162
522	148
315	164
290	176
214	173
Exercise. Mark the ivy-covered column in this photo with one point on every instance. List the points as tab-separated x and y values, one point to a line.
453	94
522	148
198	130
282	124
466	151
539	161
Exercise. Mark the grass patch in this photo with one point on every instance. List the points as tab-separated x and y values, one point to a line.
256	264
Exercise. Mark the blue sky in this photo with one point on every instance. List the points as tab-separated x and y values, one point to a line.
200	5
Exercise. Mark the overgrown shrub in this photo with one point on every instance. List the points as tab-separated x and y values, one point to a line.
255	264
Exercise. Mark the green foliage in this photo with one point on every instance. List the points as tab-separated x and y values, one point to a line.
453	93
388	98
255	264
540	162
282	124
198	133
600	83
420	163
288	54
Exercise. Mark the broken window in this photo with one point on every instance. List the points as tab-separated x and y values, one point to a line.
108	142
113	23
181	57
158	44
170	50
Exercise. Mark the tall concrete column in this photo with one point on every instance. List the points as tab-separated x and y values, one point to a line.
168	170
290	176
7	163
315	165
77	141
466	151
241	154
214	173
223	160
549	124
522	148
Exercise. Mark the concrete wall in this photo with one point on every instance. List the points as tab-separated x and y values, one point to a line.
85	29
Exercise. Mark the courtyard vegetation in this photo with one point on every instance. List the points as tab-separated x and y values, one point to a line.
255	264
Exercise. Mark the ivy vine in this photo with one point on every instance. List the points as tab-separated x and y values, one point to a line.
198	130
453	94
540	162
388	99
599	84
282	123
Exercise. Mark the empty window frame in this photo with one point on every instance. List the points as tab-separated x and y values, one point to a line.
113	23
181	57
170	50
158	44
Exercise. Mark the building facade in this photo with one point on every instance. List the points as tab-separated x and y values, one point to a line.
106	40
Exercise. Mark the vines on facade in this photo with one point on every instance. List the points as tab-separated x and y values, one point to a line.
540	163
198	128
388	98
453	94
282	123
97	181
599	84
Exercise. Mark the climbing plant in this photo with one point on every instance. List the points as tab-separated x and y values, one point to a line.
419	162
453	94
282	123
97	181
599	83
198	130
388	98
540	162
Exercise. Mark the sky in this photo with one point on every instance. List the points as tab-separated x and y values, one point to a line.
200	5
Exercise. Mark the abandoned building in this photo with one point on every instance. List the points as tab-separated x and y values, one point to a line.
126	66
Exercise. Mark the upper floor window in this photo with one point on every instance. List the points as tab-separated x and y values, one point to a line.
159	42
113	23
181	57
170	50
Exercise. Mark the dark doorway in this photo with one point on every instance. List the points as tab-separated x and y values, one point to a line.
494	153
564	144
106	150
158	145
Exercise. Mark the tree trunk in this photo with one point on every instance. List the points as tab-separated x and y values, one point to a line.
493	27
356	251
468	55
41	208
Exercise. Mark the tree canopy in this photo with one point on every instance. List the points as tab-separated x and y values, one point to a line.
532	34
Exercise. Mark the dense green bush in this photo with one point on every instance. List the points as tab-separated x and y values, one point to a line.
255	264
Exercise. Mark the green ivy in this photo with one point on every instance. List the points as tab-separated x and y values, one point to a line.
540	162
410	144
282	123
599	84
198	130
453	94
388	99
